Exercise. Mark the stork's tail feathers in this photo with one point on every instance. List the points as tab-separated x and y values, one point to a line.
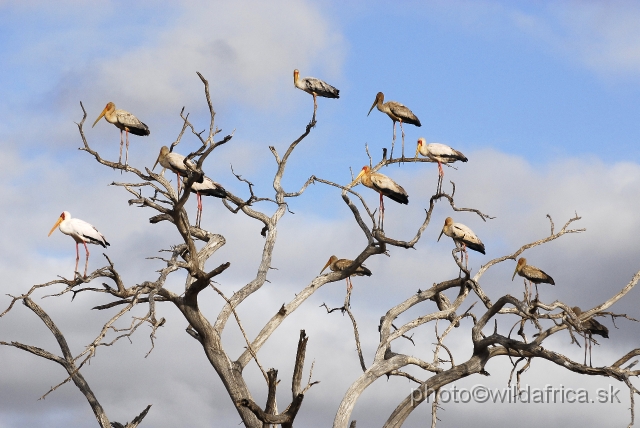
141	130
476	247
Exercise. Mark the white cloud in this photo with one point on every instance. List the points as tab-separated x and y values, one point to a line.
517	193
250	63
604	36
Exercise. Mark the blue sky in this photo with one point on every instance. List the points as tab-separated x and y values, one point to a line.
542	97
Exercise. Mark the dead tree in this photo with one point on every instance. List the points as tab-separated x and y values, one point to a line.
196	246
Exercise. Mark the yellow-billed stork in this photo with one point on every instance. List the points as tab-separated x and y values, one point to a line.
208	187
339	265
590	327
440	153
398	113
531	273
384	186
124	121
315	87
462	236
80	231
177	163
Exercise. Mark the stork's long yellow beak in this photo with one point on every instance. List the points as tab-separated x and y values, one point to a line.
357	178
417	150
55	225
325	266
100	117
514	273
155	164
372	106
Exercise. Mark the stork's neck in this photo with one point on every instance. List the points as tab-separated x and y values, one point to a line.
110	116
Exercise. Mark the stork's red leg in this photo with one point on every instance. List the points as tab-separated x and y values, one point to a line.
199	215
86	262
381	215
440	171
77	259
315	106
121	142
394	139
126	159
402	129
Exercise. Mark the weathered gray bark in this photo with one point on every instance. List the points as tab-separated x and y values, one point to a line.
169	206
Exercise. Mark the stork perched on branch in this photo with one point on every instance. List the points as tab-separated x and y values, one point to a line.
384	186
124	121
398	113
339	265
462	236
315	87
80	231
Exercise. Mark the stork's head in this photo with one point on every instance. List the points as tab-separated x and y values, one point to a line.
421	143
108	109
163	152
64	216
331	260
365	170
379	99
521	263
447	223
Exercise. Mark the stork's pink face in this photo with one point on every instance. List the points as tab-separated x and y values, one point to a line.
60	220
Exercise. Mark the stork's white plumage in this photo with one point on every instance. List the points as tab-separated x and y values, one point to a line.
398	113
80	231
208	187
124	121
384	186
315	87
438	152
462	236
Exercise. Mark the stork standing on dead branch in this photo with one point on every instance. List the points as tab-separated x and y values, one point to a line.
315	87
590	327
384	186
462	236
532	273
176	163
124	121
398	113
208	187
339	265
80	231
440	153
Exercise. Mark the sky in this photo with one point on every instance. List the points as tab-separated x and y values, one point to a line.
542	97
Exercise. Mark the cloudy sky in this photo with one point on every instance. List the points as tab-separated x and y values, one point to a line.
541	97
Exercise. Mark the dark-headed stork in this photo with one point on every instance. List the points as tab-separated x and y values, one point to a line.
339	265
398	113
124	121
80	231
208	187
440	153
590	327
532	273
384	186
315	87
462	236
